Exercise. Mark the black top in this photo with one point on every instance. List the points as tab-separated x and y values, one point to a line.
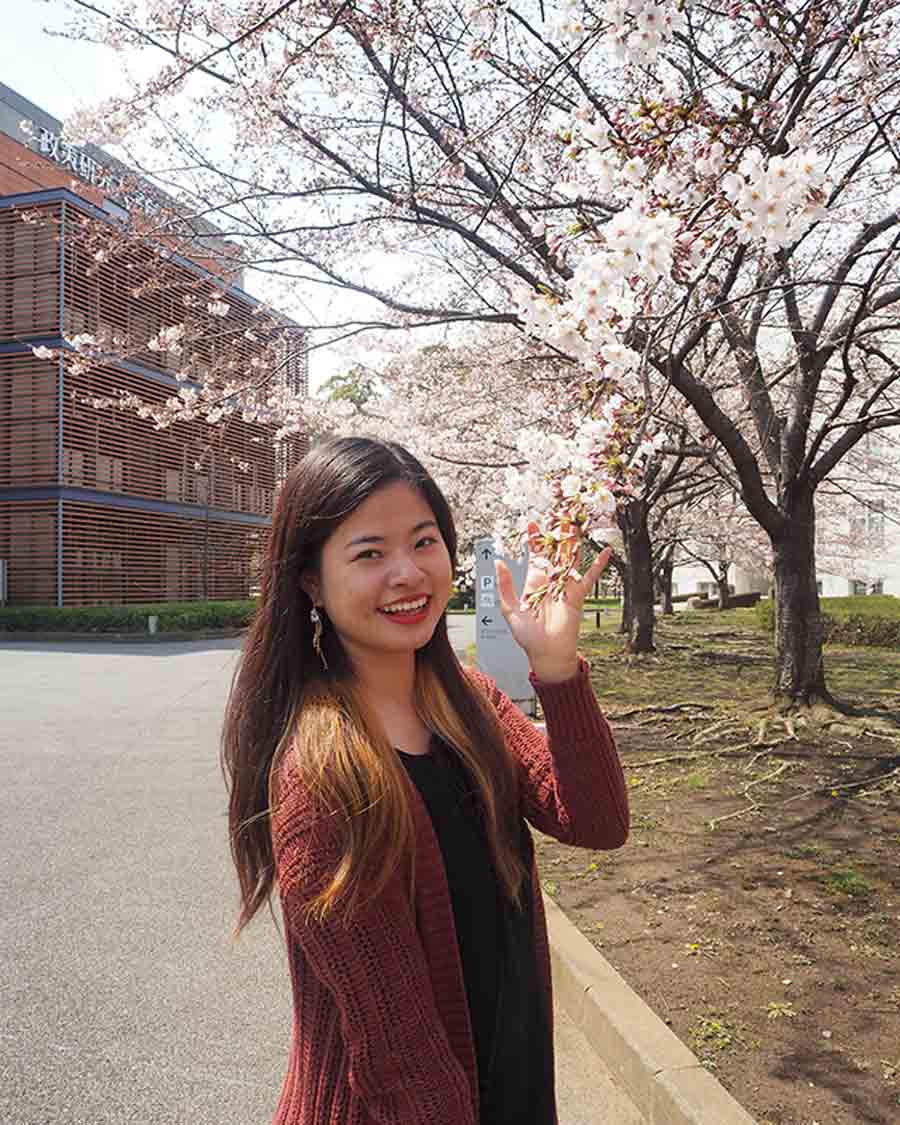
507	1005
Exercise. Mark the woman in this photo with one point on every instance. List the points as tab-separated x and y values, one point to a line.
383	789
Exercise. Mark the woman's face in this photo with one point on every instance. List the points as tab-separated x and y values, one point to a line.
385	575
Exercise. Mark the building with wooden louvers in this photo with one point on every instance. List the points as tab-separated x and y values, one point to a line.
98	505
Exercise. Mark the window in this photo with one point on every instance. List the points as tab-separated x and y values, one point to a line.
32	452
77	320
201	488
32	393
819	587
877	587
173	571
73	466
31	537
293	357
110	472
875	523
173	484
29	291
857	587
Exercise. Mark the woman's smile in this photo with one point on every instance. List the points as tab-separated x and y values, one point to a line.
407	611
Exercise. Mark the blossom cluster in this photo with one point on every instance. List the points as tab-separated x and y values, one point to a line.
634	29
572	485
774	200
674	207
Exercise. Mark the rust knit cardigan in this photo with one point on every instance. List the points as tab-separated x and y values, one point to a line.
381	1030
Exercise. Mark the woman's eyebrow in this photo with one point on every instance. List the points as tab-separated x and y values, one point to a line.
380	538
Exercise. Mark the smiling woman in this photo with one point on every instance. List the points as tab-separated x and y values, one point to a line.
384	791
384	580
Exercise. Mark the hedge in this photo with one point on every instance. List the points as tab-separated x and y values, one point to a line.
870	620
174	617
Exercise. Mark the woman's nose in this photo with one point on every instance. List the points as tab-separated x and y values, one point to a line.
405	570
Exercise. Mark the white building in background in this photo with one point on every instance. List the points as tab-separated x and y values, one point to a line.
870	563
864	560
693	578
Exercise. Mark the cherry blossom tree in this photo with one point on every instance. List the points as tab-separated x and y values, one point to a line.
676	195
718	533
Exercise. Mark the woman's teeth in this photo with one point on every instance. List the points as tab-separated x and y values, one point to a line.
405	607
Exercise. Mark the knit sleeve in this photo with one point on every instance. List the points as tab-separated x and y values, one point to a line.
402	1065
571	780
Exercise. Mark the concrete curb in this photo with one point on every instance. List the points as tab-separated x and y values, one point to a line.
9	636
666	1082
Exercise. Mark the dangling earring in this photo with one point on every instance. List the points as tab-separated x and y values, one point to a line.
316	618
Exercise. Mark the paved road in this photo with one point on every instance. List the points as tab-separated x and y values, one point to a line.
461	630
123	998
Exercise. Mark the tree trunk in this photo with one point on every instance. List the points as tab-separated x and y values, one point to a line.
799	665
722	584
666	569
639	555
625	623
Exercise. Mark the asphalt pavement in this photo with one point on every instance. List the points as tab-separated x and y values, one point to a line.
124	998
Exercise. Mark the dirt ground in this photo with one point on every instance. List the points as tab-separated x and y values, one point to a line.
756	906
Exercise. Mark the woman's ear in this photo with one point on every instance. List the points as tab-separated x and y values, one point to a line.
309	584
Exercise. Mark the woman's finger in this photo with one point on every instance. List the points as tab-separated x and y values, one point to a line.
505	588
536	576
535	544
597	567
569	539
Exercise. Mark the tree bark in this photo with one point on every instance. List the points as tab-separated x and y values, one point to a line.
625	623
799	663
722	584
666	569
632	520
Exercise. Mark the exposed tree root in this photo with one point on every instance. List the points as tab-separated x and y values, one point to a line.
842	786
819	703
688	756
789	722
875	782
741	659
672	709
720	729
769	776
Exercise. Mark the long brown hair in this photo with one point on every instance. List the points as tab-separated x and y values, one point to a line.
286	711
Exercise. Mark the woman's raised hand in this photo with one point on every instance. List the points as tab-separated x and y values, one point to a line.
549	632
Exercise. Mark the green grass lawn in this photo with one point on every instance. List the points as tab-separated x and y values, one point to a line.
872	605
679	671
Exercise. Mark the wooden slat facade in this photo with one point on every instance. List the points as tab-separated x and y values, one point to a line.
129	556
157	515
29	273
28	543
28	421
232	467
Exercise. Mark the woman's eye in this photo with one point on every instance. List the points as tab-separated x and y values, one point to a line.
370	554
427	541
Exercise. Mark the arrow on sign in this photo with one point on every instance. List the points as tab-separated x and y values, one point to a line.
486	553
487	620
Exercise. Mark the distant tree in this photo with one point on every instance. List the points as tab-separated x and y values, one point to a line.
356	386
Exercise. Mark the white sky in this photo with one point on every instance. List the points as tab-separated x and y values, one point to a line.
61	76
51	72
